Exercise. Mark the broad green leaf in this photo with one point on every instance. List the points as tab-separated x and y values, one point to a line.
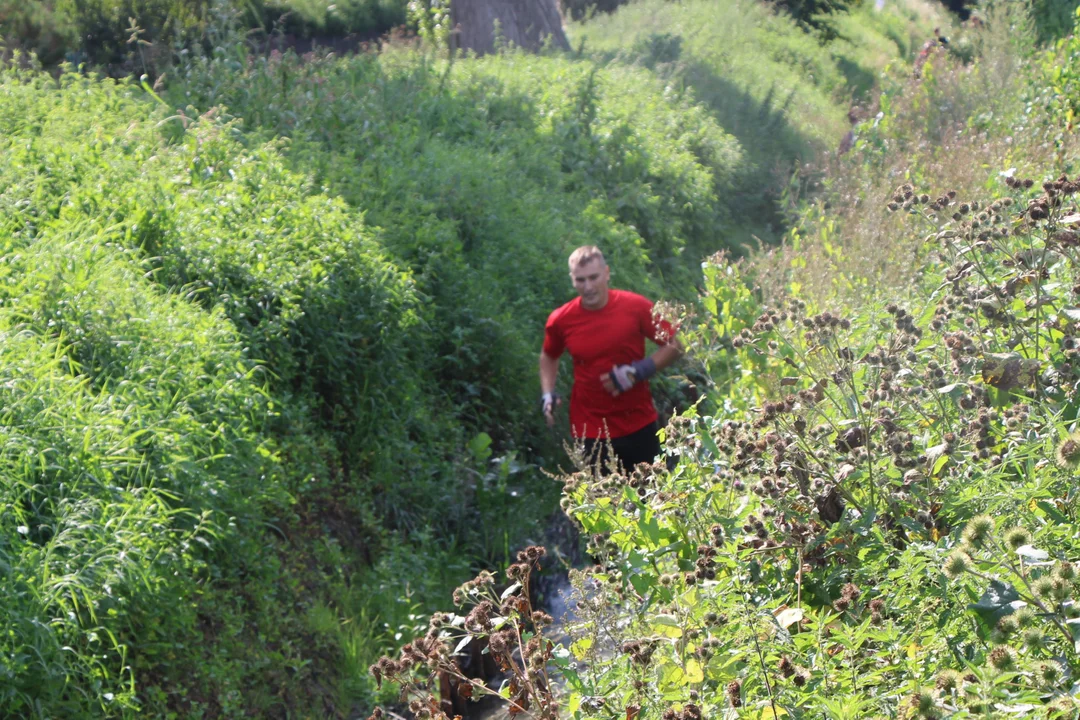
666	625
580	647
480	446
671	677
998	600
1052	512
574	703
694	672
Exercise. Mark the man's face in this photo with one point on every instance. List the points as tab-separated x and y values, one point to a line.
591	282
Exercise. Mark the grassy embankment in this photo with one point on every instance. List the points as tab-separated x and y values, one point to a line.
267	397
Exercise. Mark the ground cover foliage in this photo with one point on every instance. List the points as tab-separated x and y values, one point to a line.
873	513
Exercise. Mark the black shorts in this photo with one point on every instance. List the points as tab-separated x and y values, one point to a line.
638	447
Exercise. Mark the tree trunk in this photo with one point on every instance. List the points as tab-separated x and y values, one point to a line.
523	23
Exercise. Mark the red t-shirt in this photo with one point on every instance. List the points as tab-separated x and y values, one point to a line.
597	340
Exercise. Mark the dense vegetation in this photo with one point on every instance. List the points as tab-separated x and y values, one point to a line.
873	512
269	356
271	397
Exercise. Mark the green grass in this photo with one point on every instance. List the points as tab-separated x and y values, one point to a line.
784	94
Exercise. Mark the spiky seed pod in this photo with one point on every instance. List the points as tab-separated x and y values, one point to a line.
1068	452
978	530
1026	616
1017	537
922	704
1049	673
734	693
1002	658
1034	638
1062	707
1043	587
1061	590
948	681
1008	625
956	564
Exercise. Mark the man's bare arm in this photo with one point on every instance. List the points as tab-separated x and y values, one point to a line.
549	372
665	355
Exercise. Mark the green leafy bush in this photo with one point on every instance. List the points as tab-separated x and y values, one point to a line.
36	28
188	393
1054	18
131	452
368	18
105	31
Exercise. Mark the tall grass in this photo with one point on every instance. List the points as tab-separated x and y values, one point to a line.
784	94
997	112
165	426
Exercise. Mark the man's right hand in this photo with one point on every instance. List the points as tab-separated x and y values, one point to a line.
549	402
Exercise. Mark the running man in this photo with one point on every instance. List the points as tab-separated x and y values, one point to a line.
604	331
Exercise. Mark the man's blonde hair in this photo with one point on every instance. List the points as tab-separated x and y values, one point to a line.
584	254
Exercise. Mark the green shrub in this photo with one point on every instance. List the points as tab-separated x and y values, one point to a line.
367	18
35	27
104	27
814	14
1054	18
149	320
583	9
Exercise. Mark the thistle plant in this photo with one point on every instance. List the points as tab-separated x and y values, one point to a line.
1030	605
509	629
